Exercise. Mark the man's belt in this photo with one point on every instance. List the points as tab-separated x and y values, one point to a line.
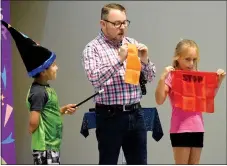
128	107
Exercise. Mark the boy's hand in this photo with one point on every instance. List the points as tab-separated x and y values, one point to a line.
69	109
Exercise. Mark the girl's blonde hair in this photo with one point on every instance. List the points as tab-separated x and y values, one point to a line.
184	43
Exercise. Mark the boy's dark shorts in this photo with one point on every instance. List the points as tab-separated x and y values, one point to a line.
45	157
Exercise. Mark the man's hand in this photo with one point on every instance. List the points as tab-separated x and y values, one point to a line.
123	52
69	109
143	52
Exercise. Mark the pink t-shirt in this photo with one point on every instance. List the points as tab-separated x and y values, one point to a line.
182	121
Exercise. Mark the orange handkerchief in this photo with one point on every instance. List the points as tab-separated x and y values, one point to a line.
194	91
133	65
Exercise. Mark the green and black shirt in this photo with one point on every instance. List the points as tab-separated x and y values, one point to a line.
48	135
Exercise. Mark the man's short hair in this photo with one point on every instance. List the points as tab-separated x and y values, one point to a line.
106	9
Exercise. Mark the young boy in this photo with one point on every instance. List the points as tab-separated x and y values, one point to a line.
45	122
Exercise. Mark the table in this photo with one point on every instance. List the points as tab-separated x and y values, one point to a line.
151	116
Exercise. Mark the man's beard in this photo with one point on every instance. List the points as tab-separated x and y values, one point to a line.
116	37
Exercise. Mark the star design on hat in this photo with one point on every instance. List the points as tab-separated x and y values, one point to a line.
41	56
9	25
2	97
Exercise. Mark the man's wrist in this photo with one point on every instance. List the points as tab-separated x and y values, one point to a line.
145	61
121	61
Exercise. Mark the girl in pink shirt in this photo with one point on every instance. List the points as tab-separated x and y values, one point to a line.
187	128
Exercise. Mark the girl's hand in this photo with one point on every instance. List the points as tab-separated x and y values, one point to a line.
166	71
221	74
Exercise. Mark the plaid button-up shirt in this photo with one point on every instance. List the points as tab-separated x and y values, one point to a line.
104	71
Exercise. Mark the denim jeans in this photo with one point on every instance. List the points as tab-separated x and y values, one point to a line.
116	129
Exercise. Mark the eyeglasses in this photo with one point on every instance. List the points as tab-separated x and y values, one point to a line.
118	24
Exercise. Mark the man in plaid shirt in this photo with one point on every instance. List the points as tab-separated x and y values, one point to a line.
119	117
